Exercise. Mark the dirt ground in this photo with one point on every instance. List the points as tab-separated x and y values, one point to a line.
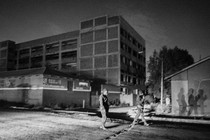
70	125
25	125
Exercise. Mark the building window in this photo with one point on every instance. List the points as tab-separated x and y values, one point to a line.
122	45
129	79
87	37
100	62
126	78
70	56
122	32
113	60
24	53
52	48
113	20
52	57
69	44
130	62
129	50
129	37
100	48
122	78
122	59
37	62
100	35
36	51
3	63
126	60
134	53
3	44
86	24
134	42
86	63
112	32
134	65
3	53
113	46
100	21
139	56
87	50
134	80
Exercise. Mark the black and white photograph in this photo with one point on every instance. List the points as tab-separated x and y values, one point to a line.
104	70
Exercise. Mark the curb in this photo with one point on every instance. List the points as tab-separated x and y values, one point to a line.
153	118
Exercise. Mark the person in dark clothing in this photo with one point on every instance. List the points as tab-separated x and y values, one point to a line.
104	107
140	106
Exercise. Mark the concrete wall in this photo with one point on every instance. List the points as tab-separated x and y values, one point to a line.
127	99
114	97
25	89
53	97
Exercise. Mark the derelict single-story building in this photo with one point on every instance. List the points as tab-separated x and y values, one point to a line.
190	89
44	86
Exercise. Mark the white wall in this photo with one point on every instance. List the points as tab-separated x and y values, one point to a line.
127	98
26	89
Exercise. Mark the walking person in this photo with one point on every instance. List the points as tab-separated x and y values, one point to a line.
140	106
104	107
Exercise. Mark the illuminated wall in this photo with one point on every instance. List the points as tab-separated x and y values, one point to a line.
26	89
191	91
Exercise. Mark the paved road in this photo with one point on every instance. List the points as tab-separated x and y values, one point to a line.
24	125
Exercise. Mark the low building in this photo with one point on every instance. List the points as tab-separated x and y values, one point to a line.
190	89
46	87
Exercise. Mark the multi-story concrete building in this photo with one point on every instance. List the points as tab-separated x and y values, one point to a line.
104	47
109	48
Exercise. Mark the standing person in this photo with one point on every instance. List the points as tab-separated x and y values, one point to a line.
140	106
104	107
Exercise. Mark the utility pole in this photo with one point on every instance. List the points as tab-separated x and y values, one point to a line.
161	92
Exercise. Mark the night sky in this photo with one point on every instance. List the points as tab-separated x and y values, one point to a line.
182	23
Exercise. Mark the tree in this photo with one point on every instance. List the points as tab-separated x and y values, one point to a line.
173	60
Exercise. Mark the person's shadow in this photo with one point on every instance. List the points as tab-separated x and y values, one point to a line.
201	98
192	102
181	102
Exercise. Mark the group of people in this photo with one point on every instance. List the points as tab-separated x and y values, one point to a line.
104	108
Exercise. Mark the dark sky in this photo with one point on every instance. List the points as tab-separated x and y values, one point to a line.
182	23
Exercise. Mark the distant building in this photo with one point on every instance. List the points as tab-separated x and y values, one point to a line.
190	89
104	47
